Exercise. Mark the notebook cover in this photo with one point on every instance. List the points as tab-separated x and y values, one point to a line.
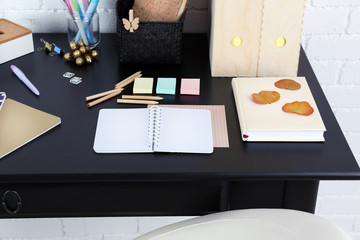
19	124
255	117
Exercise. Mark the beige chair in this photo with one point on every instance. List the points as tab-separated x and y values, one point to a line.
251	224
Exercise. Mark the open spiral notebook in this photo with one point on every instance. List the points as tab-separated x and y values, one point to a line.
153	129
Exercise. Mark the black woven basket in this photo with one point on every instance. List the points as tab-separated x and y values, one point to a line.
152	42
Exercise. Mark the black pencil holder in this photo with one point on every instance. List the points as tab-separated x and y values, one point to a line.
152	42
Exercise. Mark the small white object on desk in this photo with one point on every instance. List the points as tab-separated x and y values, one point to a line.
15	41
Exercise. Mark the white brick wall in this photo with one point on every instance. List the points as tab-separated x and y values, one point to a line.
331	39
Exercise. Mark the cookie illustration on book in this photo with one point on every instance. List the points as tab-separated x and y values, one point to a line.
266	97
287	84
301	108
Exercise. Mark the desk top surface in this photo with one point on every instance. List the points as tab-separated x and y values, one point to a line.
66	152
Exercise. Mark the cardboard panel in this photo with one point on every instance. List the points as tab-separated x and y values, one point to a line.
282	21
235	18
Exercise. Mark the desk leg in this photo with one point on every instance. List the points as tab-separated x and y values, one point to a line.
301	195
297	195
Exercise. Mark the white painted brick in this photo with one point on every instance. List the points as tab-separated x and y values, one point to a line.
89	237
343	222
16	5
18	17
73	227
30	228
55	21
339	205
357	224
107	22
147	224
333	47
350	73
357	157
353	140
107	4
53	5
111	225
349	120
339	188
354	25
326	71
325	21
120	237
342	96
355	236
334	3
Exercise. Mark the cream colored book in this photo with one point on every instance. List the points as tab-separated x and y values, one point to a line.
15	41
269	122
20	124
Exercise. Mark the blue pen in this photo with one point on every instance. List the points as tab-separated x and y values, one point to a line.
87	18
79	9
79	22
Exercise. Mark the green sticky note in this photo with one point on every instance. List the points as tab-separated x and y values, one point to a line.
143	85
166	86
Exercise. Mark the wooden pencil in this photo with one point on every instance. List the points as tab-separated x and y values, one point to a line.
132	101
132	77
93	103
141	97
127	82
88	98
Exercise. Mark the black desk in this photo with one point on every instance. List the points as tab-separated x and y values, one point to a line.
58	174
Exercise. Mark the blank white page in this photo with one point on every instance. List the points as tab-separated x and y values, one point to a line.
184	130
122	131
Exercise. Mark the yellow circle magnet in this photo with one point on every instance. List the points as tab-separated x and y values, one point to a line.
280	42
236	41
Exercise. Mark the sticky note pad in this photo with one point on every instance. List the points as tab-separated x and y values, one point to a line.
190	86
143	85
166	86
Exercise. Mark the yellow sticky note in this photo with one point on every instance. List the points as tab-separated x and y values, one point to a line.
143	85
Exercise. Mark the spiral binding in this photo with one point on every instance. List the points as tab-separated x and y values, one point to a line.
154	126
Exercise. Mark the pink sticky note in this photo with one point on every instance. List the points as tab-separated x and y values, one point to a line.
190	86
